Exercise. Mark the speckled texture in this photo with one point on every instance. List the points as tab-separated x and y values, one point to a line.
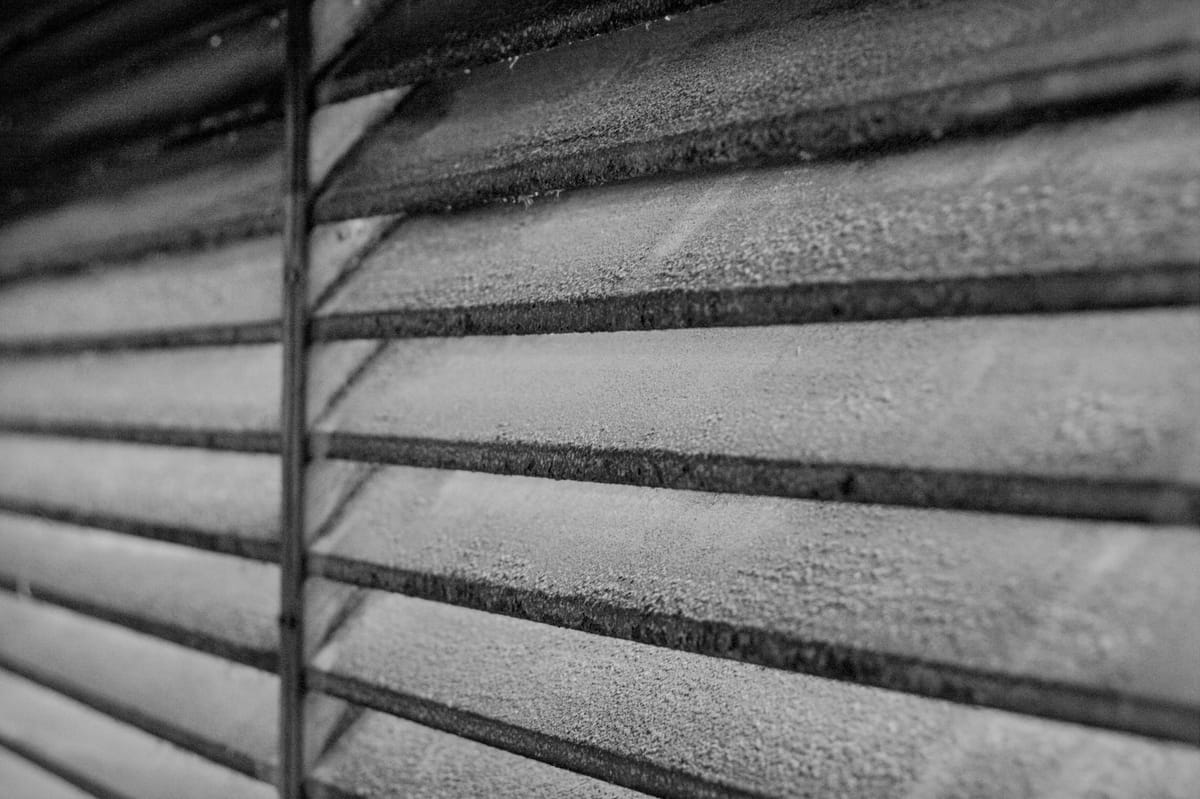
1089	414
1113	200
224	501
678	724
23	780
222	187
761	79
106	756
216	603
412	42
204	388
226	294
676	95
383	757
1047	617
223	711
223	397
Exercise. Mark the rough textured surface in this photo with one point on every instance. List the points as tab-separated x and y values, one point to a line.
223	711
23	780
383	757
233	389
679	724
223	501
217	603
1091	622
678	95
693	91
411	42
221	187
1087	414
105	757
1108	206
221	397
224	295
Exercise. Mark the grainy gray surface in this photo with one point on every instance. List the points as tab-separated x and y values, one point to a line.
224	294
222	397
217	603
23	780
680	724
966	227
1044	616
676	95
224	501
223	187
223	711
984	413
106	756
384	757
759	79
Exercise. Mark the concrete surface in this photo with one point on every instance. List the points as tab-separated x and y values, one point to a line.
1085	621
384	757
224	501
220	188
216	397
223	711
678	724
762	79
23	780
216	603
106	757
680	94
1081	215
1082	414
224	295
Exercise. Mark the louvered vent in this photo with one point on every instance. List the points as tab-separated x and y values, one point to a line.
746	398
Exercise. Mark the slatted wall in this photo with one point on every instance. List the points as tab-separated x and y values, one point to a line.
747	398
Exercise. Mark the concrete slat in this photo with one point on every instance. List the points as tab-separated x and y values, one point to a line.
1082	215
693	91
1089	622
1083	414
106	757
678	724
217	603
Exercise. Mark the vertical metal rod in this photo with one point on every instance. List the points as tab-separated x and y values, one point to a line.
293	415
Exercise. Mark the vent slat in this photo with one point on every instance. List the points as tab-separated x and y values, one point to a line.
219	604
677	724
105	757
1024	223
1083	621
23	780
1087	414
220	710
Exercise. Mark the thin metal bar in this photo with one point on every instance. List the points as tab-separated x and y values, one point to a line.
293	432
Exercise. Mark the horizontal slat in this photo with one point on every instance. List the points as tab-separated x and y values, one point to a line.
678	724
23	780
105	757
1087	414
1087	622
611	108
219	397
694	91
226	295
383	757
216	603
411	42
223	501
1085	215
219	188
222	711
232	390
